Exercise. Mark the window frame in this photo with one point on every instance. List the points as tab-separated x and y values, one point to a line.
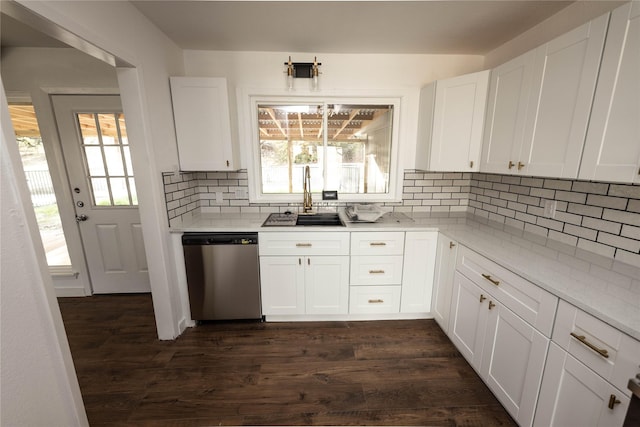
252	146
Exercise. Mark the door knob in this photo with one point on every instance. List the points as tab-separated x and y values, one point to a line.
80	218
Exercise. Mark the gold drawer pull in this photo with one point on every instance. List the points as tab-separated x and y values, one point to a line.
376	301
511	164
376	271
488	277
482	297
613	401
303	245
520	165
377	244
601	351
491	305
452	245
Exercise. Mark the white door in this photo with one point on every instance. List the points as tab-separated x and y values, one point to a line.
282	285
96	151
572	395
512	362
326	285
469	319
443	281
565	74
417	277
506	113
612	151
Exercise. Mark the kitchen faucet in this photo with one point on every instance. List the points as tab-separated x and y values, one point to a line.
307	204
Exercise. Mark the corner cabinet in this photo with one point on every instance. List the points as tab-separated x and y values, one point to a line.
304	273
202	121
539	105
612	151
451	123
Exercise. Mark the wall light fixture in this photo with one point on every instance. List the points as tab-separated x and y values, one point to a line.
305	70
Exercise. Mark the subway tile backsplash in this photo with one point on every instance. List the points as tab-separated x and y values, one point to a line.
598	217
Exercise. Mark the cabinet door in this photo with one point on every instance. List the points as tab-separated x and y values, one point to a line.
282	285
469	319
418	270
565	74
326	284
458	122
612	151
513	361
203	128
573	395
443	281
506	112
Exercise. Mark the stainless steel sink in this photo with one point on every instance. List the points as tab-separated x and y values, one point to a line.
325	218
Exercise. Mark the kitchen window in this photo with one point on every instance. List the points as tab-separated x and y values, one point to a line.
349	147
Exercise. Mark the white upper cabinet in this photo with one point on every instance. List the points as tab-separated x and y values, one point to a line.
506	111
539	105
612	148
564	81
203	129
451	123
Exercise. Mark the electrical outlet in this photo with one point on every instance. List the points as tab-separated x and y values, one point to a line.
550	208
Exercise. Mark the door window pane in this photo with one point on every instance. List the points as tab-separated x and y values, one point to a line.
40	186
108	159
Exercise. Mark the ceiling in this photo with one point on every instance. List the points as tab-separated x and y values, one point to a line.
411	27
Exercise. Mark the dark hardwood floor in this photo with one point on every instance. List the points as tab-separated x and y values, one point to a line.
329	373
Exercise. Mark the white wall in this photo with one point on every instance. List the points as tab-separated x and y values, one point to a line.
342	74
38	385
118	28
567	19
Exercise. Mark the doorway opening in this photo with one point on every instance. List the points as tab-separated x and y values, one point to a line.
43	198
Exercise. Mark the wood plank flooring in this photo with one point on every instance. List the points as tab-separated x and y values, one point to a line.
251	373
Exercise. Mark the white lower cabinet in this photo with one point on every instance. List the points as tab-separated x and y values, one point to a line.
574	395
418	269
507	351
297	285
374	299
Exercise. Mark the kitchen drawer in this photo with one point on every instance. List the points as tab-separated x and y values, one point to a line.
532	303
303	243
377	243
376	270
374	299
610	353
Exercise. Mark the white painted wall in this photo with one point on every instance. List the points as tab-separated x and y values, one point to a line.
118	28
38	385
342	74
567	19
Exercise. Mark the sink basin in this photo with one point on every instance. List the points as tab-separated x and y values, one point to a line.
326	219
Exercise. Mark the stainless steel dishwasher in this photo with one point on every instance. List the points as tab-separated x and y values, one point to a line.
223	275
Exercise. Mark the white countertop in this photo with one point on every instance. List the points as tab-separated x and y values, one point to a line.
607	289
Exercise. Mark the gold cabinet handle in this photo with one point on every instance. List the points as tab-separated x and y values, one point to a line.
376	301
303	245
471	164
299	261
452	245
376	271
308	261
613	401
601	351
491	305
488	277
377	244
511	164
482	297
520	165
